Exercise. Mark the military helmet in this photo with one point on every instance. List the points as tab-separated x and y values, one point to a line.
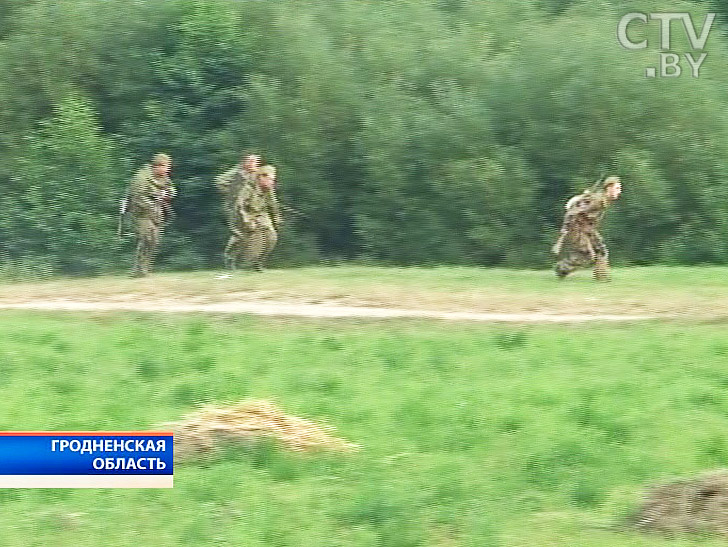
160	159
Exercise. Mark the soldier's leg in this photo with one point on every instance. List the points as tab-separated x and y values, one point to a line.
139	251
146	243
229	213
155	239
270	238
254	248
568	263
233	249
572	257
601	258
139	259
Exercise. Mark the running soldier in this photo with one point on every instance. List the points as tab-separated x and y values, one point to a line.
580	243
232	181
150	205
257	219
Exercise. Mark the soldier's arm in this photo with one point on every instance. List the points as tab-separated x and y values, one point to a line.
588	203
167	195
242	206
274	209
579	205
223	182
141	194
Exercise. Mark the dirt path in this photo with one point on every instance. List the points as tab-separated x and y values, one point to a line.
292	309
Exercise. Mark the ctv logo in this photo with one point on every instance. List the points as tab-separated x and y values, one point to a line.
669	62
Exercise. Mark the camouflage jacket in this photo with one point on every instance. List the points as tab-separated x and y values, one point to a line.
149	196
585	211
231	183
256	208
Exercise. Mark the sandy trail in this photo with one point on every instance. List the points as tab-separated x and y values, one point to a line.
292	309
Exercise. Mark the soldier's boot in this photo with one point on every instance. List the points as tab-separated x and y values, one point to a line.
230	263
601	269
562	270
140	271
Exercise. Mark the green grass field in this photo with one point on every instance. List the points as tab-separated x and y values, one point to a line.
470	434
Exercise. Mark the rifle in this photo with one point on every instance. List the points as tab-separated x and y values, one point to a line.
123	210
556	249
296	212
598	184
165	204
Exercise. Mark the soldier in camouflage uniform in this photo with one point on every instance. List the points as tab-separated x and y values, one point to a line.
580	243
232	181
150	198
257	219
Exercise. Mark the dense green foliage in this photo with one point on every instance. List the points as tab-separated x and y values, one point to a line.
475	435
416	131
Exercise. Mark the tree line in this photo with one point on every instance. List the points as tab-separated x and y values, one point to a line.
406	132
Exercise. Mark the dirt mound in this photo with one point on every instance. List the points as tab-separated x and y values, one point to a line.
693	505
204	431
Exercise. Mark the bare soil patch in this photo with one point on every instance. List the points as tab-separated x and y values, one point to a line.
321	309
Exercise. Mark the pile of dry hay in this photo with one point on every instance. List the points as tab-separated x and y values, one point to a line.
692	505
202	432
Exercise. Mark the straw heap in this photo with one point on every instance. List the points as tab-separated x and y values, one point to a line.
698	505
203	431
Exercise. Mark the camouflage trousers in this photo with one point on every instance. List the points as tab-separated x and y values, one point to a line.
149	235
583	249
255	246
228	209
